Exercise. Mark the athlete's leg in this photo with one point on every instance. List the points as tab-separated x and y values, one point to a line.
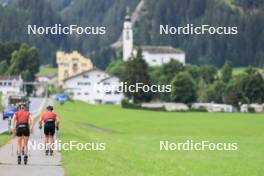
51	140
18	140
25	146
22	147
19	145
46	142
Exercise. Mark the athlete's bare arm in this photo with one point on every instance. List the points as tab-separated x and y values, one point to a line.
31	123
40	121
57	122
13	123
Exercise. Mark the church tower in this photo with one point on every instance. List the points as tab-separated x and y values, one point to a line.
127	37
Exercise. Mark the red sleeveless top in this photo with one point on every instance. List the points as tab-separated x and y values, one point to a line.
22	116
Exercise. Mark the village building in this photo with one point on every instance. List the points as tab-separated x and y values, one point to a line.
11	85
70	64
254	107
153	55
94	86
166	106
212	107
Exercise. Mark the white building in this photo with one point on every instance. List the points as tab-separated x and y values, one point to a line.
257	107
153	55
110	95
167	106
211	107
11	85
94	86
159	55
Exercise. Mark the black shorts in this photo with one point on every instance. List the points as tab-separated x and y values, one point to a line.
49	128
22	130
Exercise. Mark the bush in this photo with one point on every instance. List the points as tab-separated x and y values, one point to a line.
198	110
251	110
126	104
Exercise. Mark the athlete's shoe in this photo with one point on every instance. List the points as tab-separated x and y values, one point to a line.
47	152
18	159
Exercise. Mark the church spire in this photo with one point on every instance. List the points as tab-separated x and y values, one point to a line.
128	17
127	37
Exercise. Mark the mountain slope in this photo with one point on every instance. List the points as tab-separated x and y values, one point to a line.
246	48
243	49
14	19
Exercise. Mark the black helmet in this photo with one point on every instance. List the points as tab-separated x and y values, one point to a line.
50	108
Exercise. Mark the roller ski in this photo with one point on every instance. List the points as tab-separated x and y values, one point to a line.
19	159
25	159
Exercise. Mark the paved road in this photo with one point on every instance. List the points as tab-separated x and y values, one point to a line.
3	124
38	163
35	107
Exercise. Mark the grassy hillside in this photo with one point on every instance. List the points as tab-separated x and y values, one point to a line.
132	141
47	71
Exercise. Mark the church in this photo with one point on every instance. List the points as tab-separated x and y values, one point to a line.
153	55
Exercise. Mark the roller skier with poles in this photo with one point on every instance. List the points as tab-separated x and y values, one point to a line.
51	123
22	125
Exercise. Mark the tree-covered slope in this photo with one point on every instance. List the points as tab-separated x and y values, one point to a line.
246	48
15	15
243	49
14	19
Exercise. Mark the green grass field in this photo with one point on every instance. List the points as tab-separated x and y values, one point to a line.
4	138
238	70
132	147
47	71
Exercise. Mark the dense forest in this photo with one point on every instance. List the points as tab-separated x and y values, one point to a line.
246	48
15	15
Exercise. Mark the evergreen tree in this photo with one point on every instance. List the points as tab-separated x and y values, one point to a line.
136	71
246	88
169	70
202	91
183	88
234	94
216	92
3	67
226	72
208	73
116	67
253	86
25	62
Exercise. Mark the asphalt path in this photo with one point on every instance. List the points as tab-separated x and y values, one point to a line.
38	164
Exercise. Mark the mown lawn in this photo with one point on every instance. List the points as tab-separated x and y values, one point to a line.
132	149
4	138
